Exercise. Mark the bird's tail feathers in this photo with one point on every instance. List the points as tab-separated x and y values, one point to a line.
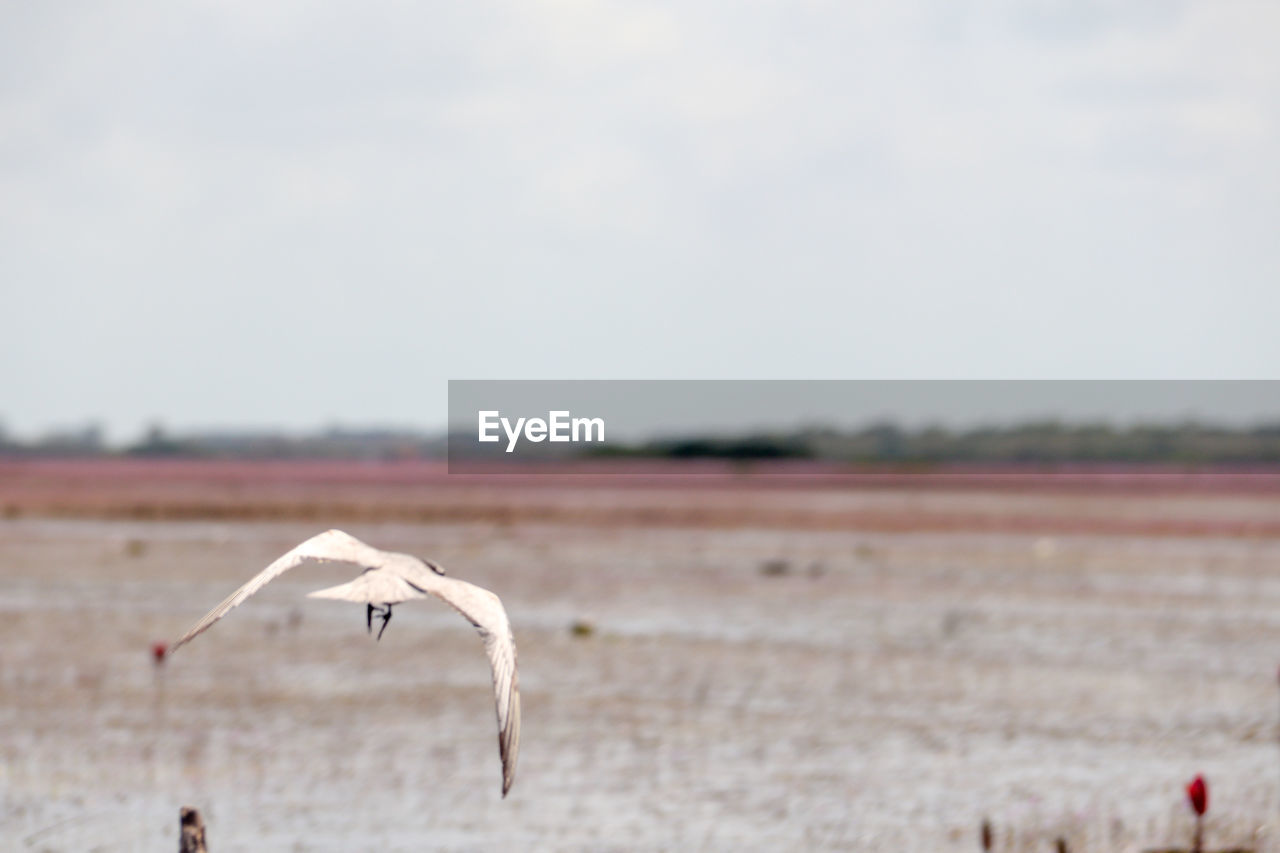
342	592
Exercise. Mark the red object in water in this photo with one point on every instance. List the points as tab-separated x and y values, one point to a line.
158	652
1198	795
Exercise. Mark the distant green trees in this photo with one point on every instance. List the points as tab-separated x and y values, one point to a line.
1040	442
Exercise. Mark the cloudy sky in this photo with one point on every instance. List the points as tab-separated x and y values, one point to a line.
293	215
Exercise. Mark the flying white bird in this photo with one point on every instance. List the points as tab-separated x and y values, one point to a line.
390	578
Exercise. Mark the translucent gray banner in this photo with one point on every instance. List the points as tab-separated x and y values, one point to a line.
987	421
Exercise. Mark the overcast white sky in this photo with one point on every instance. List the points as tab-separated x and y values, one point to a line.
278	215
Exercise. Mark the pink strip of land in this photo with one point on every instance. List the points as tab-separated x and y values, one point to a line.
1134	500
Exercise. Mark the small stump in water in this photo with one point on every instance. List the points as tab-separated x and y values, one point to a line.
775	568
192	838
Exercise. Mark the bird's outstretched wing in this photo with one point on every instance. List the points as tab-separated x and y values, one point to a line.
481	608
331	545
484	610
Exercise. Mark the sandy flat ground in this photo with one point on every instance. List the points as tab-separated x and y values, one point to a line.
868	690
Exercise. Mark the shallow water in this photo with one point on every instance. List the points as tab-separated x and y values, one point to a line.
874	692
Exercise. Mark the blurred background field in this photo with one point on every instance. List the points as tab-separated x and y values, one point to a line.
723	662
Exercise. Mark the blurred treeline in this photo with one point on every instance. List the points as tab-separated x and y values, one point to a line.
1038	442
1043	442
332	443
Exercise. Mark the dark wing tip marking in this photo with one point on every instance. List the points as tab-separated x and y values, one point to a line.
432	566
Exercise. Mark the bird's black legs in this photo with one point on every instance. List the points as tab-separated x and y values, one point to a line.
384	611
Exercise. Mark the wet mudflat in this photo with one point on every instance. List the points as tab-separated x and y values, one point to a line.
737	688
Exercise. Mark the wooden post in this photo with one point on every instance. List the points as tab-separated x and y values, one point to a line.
192	838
